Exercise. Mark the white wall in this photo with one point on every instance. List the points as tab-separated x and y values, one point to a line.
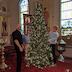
13	14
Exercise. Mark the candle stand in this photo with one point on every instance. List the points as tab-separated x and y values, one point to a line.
61	49
3	65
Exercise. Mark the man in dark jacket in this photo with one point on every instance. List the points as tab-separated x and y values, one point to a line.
17	40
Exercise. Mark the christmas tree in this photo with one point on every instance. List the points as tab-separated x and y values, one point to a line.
39	52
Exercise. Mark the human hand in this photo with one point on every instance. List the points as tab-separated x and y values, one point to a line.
21	49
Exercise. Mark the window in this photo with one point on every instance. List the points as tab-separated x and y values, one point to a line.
24	9
66	17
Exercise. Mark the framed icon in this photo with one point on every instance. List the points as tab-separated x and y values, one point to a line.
27	21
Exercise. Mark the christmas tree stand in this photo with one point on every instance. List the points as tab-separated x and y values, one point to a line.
2	59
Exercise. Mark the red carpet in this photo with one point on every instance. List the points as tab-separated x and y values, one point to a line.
60	67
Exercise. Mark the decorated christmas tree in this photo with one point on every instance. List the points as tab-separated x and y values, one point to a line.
39	52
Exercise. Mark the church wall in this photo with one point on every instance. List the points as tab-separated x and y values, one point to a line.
13	14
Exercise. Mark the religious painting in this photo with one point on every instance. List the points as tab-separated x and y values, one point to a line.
46	17
27	21
4	27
